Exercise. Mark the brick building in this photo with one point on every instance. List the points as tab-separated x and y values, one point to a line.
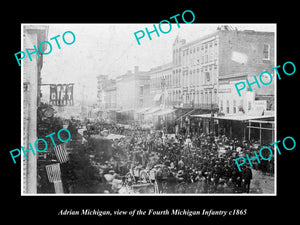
202	66
245	54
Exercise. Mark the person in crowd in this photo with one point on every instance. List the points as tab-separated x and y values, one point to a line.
194	159
247	177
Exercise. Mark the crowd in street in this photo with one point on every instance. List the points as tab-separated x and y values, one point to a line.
182	163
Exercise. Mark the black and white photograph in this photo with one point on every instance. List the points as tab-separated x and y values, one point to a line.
140	112
168	109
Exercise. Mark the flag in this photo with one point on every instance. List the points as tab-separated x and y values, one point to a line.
63	96
60	94
53	94
58	187
53	172
69	93
61	153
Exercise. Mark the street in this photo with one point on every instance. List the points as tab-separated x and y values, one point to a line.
261	183
162	127
133	160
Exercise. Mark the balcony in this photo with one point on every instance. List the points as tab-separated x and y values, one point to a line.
200	106
110	105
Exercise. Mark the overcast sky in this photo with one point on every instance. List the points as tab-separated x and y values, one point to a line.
113	50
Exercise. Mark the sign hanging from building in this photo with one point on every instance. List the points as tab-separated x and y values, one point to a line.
61	94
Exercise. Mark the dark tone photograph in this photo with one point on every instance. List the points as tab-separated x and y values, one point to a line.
160	118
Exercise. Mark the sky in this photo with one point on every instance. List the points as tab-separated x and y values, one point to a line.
111	49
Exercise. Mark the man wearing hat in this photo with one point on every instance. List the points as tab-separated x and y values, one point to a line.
246	176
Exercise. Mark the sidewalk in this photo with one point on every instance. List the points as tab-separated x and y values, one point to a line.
262	184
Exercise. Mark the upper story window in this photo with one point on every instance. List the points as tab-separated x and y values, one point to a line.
207	77
266	52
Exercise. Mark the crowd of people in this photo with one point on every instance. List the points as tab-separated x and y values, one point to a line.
178	163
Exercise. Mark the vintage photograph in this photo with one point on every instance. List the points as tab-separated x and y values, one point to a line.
183	112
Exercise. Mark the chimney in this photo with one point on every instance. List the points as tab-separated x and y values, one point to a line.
136	69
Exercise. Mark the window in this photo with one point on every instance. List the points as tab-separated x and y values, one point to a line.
266	52
141	91
215	95
249	105
234	106
221	105
207	77
227	106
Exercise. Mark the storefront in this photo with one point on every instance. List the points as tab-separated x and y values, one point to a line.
165	118
125	116
240	126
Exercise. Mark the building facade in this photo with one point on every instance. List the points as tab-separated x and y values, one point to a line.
201	79
161	84
102	81
206	69
243	55
195	72
110	95
32	35
132	90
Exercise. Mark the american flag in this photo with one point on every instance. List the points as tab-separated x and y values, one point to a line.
58	187
53	173
61	153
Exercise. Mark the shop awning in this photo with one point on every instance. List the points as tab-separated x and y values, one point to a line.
152	110
143	110
157	97
164	112
125	110
236	117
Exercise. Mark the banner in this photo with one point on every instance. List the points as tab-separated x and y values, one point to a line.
58	187
61	94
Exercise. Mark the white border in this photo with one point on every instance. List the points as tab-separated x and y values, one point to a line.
22	116
141	195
